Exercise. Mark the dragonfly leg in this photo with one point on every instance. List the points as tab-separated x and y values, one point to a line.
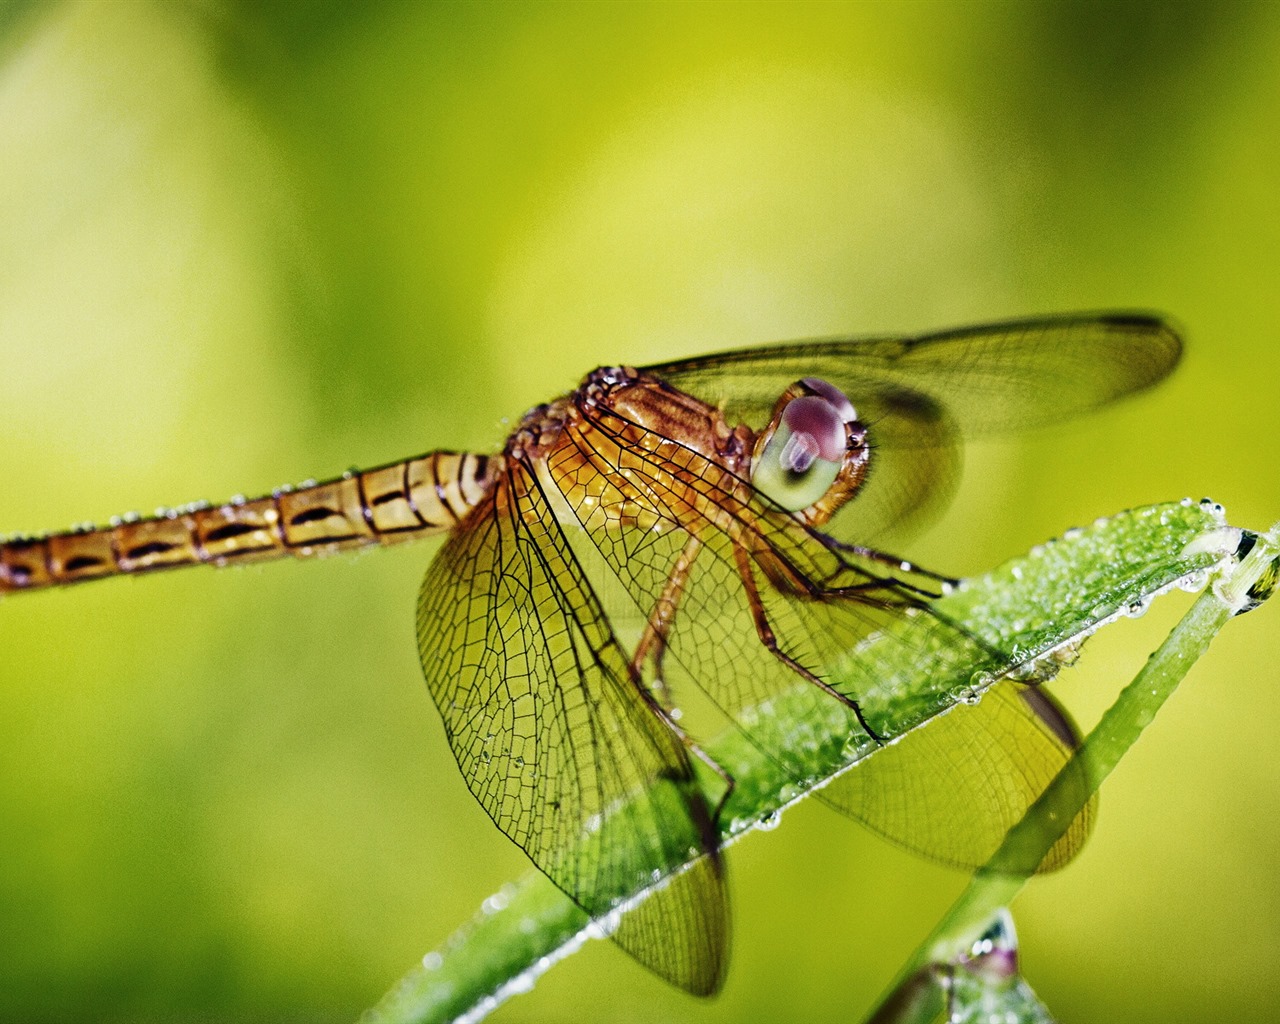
653	647
690	745
899	567
710	762
653	642
765	632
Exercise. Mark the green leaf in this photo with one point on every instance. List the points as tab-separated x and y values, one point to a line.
1038	605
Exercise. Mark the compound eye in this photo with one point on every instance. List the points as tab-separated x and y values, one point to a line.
825	389
802	457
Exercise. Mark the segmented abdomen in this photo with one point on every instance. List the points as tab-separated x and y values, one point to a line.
402	501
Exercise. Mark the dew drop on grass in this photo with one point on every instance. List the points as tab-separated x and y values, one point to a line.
1193	582
499	901
604	926
522	982
1137	609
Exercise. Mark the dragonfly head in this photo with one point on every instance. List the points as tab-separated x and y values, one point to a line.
812	457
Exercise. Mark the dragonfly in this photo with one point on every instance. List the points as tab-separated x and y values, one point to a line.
696	527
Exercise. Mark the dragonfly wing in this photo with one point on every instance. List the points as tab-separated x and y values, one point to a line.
951	790
992	378
755	564
760	579
557	743
960	775
920	395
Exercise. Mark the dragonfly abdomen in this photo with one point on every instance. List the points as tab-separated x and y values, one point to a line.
402	501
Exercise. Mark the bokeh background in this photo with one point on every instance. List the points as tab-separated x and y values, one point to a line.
243	243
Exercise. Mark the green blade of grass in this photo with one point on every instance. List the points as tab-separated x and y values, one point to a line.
1236	587
1035	605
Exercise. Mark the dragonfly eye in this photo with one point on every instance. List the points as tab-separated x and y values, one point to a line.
804	448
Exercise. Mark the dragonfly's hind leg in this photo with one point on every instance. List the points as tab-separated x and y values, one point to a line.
710	762
653	642
653	648
765	632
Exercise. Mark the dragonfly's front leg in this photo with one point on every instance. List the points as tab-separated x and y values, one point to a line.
653	648
920	581
765	632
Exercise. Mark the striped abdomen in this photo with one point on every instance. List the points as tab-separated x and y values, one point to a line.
402	501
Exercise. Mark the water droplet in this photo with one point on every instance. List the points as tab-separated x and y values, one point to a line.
1075	533
789	792
521	983
499	901
1137	609
1193	582
770	821
432	961
603	927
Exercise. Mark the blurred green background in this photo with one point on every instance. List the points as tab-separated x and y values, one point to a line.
243	243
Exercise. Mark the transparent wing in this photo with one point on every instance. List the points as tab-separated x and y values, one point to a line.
768	616
920	395
972	774
992	378
556	742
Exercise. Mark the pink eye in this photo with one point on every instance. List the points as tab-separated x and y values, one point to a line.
834	395
804	448
817	426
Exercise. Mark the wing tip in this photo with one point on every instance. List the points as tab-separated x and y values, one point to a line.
1162	340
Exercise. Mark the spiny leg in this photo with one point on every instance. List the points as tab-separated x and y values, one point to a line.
895	565
653	648
656	631
765	632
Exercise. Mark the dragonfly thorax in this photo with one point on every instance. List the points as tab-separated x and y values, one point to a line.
647	406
